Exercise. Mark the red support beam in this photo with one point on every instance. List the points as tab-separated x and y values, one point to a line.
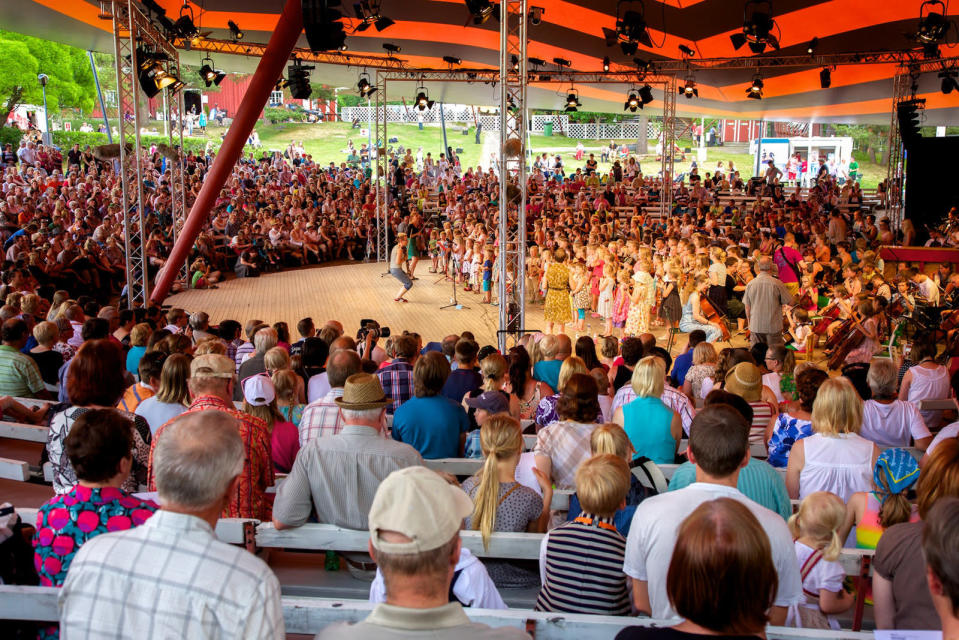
270	68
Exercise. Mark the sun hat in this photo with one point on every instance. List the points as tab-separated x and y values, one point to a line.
419	504
896	469
745	380
259	390
489	401
362	391
212	365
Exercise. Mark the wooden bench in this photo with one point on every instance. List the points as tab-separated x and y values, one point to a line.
310	615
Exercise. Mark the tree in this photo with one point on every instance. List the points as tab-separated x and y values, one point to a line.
70	81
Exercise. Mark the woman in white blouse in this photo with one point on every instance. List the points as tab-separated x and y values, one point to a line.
887	421
928	380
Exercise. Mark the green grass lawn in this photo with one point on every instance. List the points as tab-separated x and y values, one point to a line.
327	142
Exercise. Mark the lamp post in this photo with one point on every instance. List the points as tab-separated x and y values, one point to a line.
47	138
336	100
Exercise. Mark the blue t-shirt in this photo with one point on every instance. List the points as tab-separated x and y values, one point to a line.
548	371
133	360
488	270
681	365
461	382
431	425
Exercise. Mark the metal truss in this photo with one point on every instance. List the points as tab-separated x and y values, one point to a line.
178	207
896	169
512	171
669	141
381	172
255	50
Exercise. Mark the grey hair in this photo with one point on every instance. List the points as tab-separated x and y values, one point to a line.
765	264
883	378
197	457
265	339
365	415
199	319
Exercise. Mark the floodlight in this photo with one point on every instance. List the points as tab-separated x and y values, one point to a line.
235	32
646	94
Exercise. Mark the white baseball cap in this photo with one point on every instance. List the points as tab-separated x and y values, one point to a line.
259	390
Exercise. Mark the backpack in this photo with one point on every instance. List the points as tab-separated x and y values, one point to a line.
649	475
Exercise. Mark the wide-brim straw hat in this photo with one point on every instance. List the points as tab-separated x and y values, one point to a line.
362	391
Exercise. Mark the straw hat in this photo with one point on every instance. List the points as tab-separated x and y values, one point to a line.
746	381
362	391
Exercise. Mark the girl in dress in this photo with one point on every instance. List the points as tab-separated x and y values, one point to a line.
579	287
644	292
671	310
434	248
621	299
605	302
815	528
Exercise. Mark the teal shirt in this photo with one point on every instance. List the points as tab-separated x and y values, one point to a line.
758	481
646	421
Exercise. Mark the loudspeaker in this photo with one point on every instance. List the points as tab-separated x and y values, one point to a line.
192	102
927	199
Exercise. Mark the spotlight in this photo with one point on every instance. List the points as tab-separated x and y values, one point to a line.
363	85
755	90
933	25
949	81
606	64
235	31
811	47
207	73
572	101
562	62
630	31
176	85
422	100
689	89
758	24
155	78
368	12
184	26
480	10
514	63
642	65
632	102
536	62
324	31
646	94
687	51
536	15
825	78
453	61
299	80
219	77
390	49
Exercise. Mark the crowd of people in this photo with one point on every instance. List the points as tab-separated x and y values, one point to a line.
210	418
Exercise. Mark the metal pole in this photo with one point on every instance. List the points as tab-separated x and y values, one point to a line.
166	115
47	138
278	51
446	145
369	129
103	107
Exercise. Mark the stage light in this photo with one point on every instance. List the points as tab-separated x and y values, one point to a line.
321	23
646	94
689	89
755	90
368	12
154	78
219	77
514	63
363	85
299	80
642	65
687	51
452	61
811	47
562	62
606	64
176	85
632	102
536	62
536	15
480	10
184	26
422	100
930	51
235	31
758	25
825	78
949	81
572	101
933	25
390	49
207	73
630	30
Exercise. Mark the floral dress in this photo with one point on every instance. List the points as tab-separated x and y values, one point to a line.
620	305
787	432
68	520
637	321
557	307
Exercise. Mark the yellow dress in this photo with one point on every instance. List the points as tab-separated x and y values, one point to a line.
557	294
637	321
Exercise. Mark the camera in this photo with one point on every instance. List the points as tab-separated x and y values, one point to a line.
367	325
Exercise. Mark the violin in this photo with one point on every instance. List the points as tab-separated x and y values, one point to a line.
851	337
950	319
710	313
829	315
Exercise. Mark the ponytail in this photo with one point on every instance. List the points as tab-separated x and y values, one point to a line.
894	509
500	438
820	516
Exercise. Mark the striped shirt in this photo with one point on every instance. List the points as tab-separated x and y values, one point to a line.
762	414
396	379
338	476
134	395
19	375
581	567
321	417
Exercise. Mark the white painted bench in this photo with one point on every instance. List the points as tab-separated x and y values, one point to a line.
310	615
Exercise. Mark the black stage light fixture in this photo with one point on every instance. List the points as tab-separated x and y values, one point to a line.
632	102
299	80
514	63
391	49
368	13
536	16
948	78
235	32
811	47
642	65
185	26
562	62
606	64
480	10
219	77
930	51
453	61
321	22
687	51
572	101
933	24
207	73
646	94
364	87
422	100
536	62
755	90
155	78
758	25
689	89
630	29
825	78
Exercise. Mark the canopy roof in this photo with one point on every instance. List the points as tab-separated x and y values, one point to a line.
427	30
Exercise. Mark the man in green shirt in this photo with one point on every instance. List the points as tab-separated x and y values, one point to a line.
853	169
19	375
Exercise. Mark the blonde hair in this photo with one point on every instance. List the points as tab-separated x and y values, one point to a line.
284	381
705	353
820	516
276	358
46	332
571	366
140	334
602	483
837	408
493	367
648	378
612	439
210	345
500	438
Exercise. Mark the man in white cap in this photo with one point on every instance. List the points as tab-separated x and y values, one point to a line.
414	537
